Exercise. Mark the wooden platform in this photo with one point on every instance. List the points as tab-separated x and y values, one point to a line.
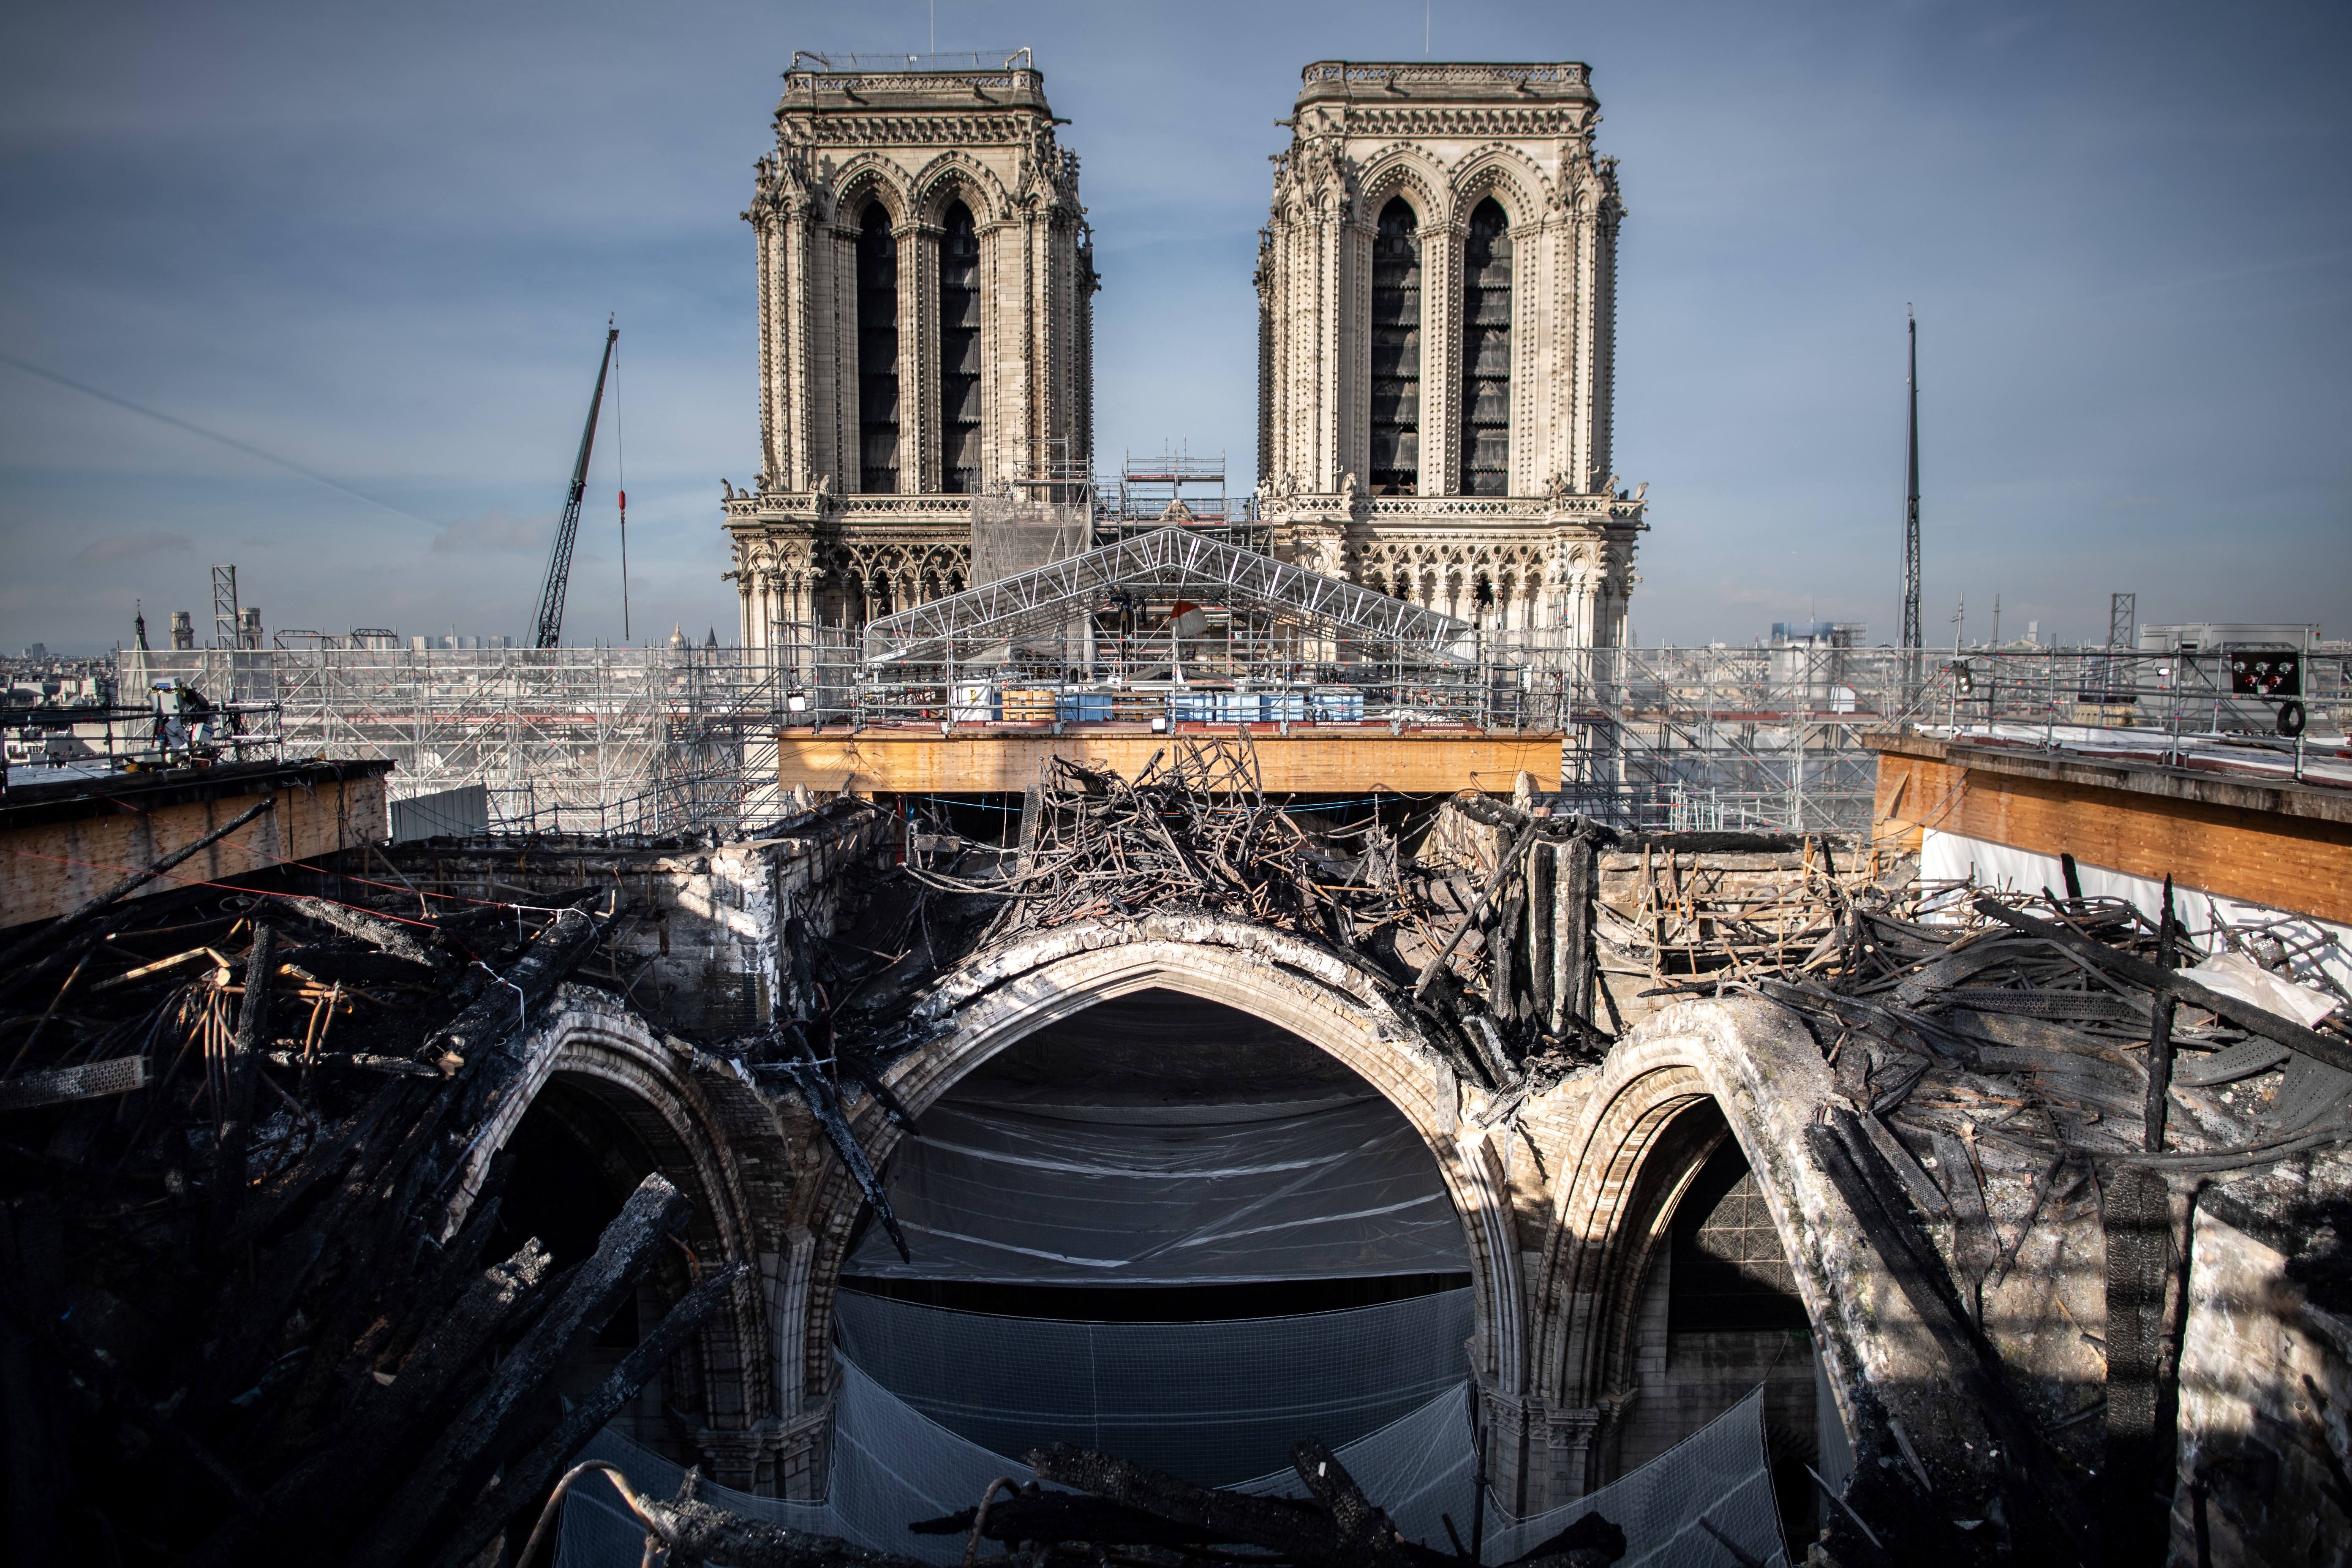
1310	760
2272	842
65	842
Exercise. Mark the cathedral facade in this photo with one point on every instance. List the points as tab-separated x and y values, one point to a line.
926	285
1437	292
1436	332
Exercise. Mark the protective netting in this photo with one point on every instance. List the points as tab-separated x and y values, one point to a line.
1719	1475
1212	1402
989	1192
891	1466
1011	536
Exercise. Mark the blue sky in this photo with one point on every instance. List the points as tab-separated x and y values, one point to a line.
381	243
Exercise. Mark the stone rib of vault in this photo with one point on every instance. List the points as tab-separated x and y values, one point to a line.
1166	560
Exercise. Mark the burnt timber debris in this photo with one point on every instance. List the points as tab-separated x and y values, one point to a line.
238	1123
244	1330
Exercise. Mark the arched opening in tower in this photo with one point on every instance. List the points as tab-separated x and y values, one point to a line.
1720	1315
1169	1230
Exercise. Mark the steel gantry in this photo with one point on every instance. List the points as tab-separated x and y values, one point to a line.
1167	562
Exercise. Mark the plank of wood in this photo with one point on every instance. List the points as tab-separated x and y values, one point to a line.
54	867
2298	863
306	1500
874	762
244	1068
520	1483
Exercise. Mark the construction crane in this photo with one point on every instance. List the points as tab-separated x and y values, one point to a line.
559	563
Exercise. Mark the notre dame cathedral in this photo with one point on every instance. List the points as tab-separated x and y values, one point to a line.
1436	301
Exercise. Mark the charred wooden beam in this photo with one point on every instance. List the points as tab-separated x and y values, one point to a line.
1365	1533
244	1066
476	1442
1288	1528
2254	1020
358	1466
699	1533
400	939
525	1477
799	1064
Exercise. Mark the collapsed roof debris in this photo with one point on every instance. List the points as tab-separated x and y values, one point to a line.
259	1336
250	1272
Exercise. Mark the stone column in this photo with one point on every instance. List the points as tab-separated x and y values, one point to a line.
1571	1440
791	464
919	356
745	1460
802	1444
1441	262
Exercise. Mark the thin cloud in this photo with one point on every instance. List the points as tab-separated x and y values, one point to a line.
131	547
497	531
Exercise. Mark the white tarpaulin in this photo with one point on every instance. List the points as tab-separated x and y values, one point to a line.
2318	945
1344	1191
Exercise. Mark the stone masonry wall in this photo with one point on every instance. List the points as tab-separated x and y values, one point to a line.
699	944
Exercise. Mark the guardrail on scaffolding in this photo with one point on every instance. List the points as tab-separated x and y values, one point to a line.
669	742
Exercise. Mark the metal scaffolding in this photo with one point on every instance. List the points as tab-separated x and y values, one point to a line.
1172	564
572	740
681	741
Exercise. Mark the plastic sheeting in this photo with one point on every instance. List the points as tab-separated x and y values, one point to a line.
891	1466
1213	1402
1719	1473
1019	1197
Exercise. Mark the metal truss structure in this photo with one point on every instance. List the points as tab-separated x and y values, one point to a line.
1167	562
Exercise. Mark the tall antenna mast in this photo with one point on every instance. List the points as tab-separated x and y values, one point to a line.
1914	641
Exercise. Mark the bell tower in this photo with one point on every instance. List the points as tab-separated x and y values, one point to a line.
1436	330
926	285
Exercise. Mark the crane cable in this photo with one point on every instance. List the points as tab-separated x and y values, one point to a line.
621	470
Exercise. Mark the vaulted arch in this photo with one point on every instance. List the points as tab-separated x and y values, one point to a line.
1664	1099
1406	172
593	1064
1504	176
867	179
1299	986
957	176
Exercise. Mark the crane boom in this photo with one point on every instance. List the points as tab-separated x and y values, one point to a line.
559	563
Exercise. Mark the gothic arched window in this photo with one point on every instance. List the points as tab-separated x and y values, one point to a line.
1396	352
1486	354
878	354
959	353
